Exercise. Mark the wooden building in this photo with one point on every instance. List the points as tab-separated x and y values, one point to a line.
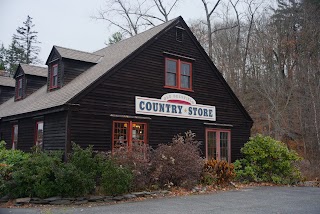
7	85
144	89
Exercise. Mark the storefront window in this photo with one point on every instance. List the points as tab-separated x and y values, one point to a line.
129	135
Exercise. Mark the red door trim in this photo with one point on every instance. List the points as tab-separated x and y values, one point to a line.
218	141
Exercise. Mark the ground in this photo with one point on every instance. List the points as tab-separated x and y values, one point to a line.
263	199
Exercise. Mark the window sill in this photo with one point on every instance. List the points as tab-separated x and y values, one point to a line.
18	98
180	89
53	88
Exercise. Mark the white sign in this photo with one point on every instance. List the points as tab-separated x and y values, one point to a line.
175	105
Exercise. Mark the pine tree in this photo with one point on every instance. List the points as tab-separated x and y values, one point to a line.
2	57
13	56
26	37
116	37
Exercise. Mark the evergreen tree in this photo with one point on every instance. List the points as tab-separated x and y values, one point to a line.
13	56
2	57
116	37
26	37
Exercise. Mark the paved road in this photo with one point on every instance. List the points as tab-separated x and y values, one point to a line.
249	200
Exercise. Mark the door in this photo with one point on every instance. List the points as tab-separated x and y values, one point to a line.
218	144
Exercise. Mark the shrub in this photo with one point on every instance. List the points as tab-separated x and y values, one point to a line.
217	172
36	176
86	164
244	172
72	182
178	163
267	160
116	179
138	161
10	160
44	174
11	157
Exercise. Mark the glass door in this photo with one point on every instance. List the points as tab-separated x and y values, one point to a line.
218	144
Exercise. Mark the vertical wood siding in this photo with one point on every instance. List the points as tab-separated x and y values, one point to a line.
73	68
54	133
5	133
53	136
34	83
6	93
144	76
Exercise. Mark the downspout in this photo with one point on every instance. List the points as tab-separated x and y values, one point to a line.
67	143
68	146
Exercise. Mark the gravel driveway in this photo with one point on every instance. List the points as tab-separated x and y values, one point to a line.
248	200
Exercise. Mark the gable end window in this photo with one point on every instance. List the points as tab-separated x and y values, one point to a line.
19	89
178	74
179	34
54	76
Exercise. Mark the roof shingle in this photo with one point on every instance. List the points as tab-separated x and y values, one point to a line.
7	81
113	55
34	70
78	55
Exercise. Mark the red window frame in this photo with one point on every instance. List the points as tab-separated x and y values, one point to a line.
37	142
15	137
54	77
178	74
129	138
19	89
218	142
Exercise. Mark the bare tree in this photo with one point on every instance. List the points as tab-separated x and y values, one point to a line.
208	23
130	16
159	10
121	14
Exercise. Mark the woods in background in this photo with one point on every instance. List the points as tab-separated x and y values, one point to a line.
271	60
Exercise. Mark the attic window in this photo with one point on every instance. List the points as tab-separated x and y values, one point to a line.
19	88
179	34
54	76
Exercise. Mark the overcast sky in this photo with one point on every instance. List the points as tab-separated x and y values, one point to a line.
68	23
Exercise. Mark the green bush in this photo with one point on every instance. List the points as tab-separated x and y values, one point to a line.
44	174
72	182
116	179
36	176
11	157
178	163
10	161
86	164
267	160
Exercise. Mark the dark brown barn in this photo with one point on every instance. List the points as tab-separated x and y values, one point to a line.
6	88
144	89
